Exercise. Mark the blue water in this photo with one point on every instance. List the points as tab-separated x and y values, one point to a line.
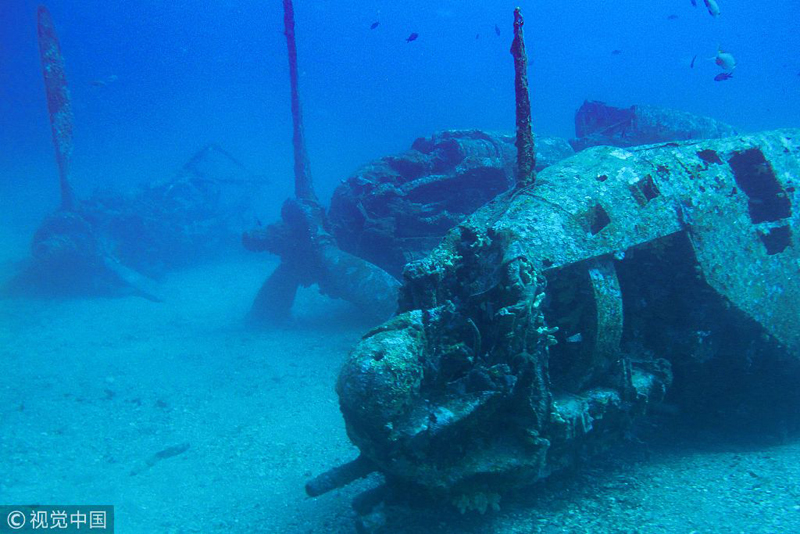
180	74
190	72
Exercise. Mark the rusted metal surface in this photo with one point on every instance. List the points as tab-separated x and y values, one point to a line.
555	316
526	152
58	101
597	123
396	209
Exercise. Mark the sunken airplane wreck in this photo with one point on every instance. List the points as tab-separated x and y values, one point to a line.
396	209
114	243
564	310
120	243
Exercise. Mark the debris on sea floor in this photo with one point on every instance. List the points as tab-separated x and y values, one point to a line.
164	454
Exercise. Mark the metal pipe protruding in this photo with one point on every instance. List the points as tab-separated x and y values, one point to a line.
526	151
339	476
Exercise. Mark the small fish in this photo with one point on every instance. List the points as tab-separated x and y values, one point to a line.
575	338
102	82
694	3
691	66
672	17
713	7
412	37
164	454
722	76
725	60
477	36
374	25
497	29
616	52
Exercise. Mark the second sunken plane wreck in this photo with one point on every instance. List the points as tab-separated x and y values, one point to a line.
568	307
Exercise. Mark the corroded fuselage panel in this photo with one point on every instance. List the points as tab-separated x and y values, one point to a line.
548	321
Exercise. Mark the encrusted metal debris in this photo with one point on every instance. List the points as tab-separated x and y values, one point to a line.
597	123
58	100
555	316
397	209
117	243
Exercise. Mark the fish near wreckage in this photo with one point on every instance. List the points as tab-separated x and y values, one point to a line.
309	253
725	60
713	7
482	352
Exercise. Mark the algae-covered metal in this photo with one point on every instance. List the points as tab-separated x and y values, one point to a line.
556	315
58	101
597	123
731	198
526	151
396	209
116	243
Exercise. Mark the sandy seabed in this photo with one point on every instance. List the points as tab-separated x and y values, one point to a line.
92	389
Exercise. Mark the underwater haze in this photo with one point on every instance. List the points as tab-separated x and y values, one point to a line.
161	399
189	73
